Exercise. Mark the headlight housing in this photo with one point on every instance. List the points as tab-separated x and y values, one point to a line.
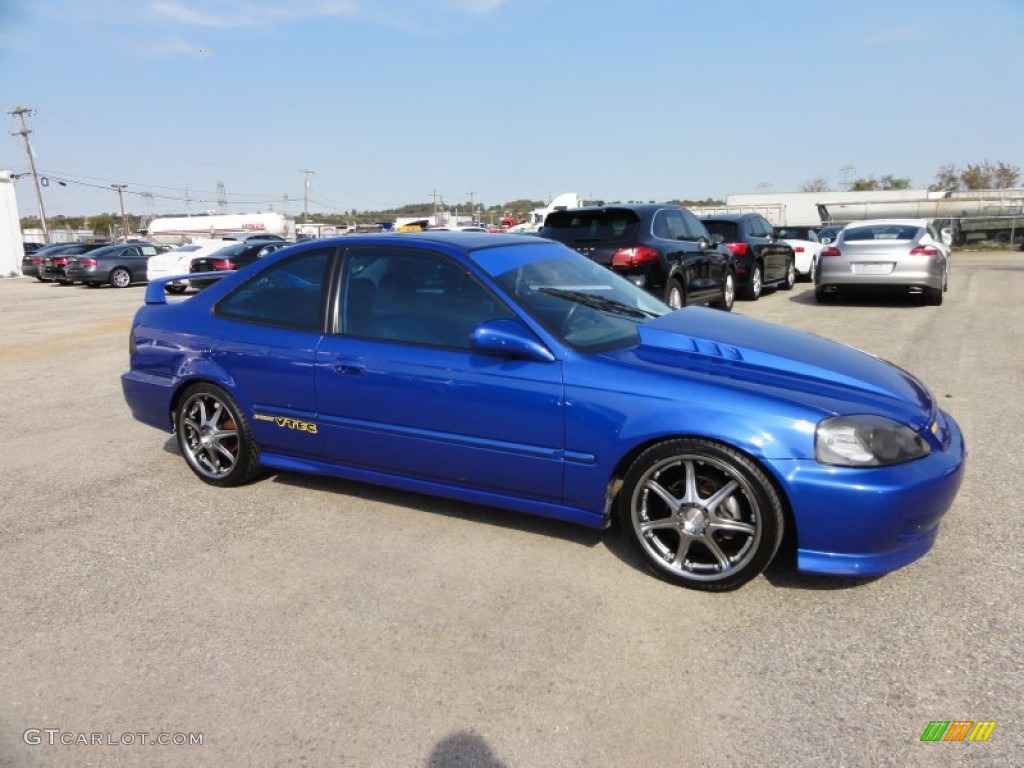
866	441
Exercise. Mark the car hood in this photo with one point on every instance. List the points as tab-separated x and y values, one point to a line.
771	358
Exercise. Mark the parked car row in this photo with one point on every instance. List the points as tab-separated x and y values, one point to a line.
100	262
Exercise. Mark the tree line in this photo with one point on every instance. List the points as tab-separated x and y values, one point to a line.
948	178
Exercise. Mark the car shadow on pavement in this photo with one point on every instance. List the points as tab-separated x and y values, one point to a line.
780	573
862	299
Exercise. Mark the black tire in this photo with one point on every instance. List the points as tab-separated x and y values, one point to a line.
809	277
175	288
92	284
933	297
64	281
728	294
214	437
790	280
675	294
752	290
120	277
823	297
702	515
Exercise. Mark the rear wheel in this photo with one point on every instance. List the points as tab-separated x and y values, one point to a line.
214	437
174	288
813	272
824	297
675	294
933	297
752	291
120	278
790	279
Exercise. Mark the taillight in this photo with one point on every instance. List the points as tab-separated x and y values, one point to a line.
223	264
798	249
833	251
925	250
634	257
37	260
61	262
87	262
738	249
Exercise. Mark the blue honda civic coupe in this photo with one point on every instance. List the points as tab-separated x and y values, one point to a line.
511	371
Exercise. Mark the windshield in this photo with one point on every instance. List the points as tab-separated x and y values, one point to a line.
586	305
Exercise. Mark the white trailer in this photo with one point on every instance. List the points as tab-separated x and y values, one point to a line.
177	230
536	218
11	249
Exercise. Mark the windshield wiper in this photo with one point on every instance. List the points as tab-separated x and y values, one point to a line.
602	303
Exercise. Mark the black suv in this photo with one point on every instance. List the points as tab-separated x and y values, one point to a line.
761	258
663	249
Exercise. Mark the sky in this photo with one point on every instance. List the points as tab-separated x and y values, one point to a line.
390	102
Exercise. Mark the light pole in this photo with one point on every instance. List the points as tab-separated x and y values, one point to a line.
124	217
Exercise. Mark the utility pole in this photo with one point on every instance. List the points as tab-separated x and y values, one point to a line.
20	113
305	193
124	218
472	208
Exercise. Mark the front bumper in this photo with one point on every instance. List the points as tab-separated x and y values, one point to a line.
866	522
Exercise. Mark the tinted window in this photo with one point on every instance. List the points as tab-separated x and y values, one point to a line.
583	226
668	225
727	229
760	227
881	232
414	296
694	229
288	294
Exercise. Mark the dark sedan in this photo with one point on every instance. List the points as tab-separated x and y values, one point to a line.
761	258
234	257
33	259
661	248
54	263
118	265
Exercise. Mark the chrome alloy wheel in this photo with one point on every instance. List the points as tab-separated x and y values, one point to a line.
208	435
696	517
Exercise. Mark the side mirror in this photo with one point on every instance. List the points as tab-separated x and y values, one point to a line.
703	244
509	338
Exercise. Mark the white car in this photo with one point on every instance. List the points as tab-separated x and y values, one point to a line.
806	249
179	261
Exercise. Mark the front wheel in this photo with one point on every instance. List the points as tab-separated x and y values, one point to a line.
701	514
675	294
120	278
753	290
215	437
728	294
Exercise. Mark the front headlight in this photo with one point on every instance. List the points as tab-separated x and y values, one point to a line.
866	441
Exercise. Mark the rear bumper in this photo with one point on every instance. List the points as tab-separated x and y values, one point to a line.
909	278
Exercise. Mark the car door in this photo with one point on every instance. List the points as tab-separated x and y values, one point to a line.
267	331
711	270
774	255
401	391
682	258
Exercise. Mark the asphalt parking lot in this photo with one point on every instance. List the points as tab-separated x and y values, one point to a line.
313	622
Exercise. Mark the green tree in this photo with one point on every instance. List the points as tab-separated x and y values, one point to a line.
817	184
947	178
864	184
893	182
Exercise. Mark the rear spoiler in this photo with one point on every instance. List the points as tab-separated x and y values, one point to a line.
155	293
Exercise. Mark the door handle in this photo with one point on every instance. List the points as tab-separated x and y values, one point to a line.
350	369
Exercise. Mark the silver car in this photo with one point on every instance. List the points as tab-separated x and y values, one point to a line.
905	254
